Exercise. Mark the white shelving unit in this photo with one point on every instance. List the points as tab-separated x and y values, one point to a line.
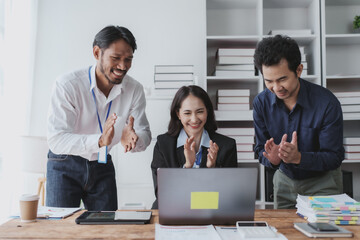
341	58
242	24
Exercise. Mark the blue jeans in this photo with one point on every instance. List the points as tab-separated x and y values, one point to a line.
71	179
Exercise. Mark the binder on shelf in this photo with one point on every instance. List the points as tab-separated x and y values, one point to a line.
352	148
235	67
290	32
235	73
172	84
349	100
174	68
235	60
233	100
174	77
351	116
233	106
347	94
236	131
233	92
169	78
236	52
351	141
242	147
246	155
350	108
245	115
244	139
352	155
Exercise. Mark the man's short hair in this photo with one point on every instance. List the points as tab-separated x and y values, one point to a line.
271	50
110	34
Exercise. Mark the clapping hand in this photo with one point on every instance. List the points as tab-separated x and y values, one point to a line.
189	152
288	151
272	152
108	132
212	154
129	137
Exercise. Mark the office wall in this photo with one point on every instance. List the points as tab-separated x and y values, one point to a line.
167	32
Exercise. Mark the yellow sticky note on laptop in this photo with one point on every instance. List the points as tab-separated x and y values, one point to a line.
204	200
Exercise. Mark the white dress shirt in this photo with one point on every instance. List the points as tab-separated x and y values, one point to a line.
73	126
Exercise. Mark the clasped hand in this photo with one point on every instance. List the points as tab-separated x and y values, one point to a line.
190	154
286	151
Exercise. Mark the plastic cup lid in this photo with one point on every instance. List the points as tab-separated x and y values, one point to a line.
29	197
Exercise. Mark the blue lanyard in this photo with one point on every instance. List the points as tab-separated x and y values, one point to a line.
97	113
198	157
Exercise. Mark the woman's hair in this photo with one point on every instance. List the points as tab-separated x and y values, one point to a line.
175	124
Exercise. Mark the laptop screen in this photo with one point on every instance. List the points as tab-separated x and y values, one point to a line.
206	195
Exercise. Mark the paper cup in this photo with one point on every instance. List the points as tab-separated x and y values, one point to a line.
28	207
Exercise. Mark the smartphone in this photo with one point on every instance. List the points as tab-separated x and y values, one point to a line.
323	227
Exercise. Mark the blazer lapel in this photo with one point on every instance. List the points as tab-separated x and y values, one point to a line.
180	156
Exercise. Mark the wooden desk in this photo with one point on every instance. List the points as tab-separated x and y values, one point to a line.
67	228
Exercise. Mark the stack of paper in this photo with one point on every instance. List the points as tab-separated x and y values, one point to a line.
169	78
245	139
350	104
205	232
233	104
235	62
352	148
339	209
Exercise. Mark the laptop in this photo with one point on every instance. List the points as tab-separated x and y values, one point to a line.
206	195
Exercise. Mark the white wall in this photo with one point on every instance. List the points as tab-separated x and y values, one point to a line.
167	32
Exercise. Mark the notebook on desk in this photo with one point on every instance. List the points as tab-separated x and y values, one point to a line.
206	195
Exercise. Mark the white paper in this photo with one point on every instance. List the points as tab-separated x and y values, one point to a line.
227	233
132	215
52	212
207	232
230	233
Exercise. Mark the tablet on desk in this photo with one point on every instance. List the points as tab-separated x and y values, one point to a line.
114	217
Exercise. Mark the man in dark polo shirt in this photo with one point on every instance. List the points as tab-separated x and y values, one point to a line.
298	126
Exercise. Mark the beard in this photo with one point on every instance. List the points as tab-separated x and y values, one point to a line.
117	80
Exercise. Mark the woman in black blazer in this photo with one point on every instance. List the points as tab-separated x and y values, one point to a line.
191	140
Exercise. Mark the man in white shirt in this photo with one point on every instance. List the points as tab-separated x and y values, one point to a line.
92	110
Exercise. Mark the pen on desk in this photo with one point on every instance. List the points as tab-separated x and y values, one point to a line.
302	216
43	216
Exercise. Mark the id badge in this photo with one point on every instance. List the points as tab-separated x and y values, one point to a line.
102	155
